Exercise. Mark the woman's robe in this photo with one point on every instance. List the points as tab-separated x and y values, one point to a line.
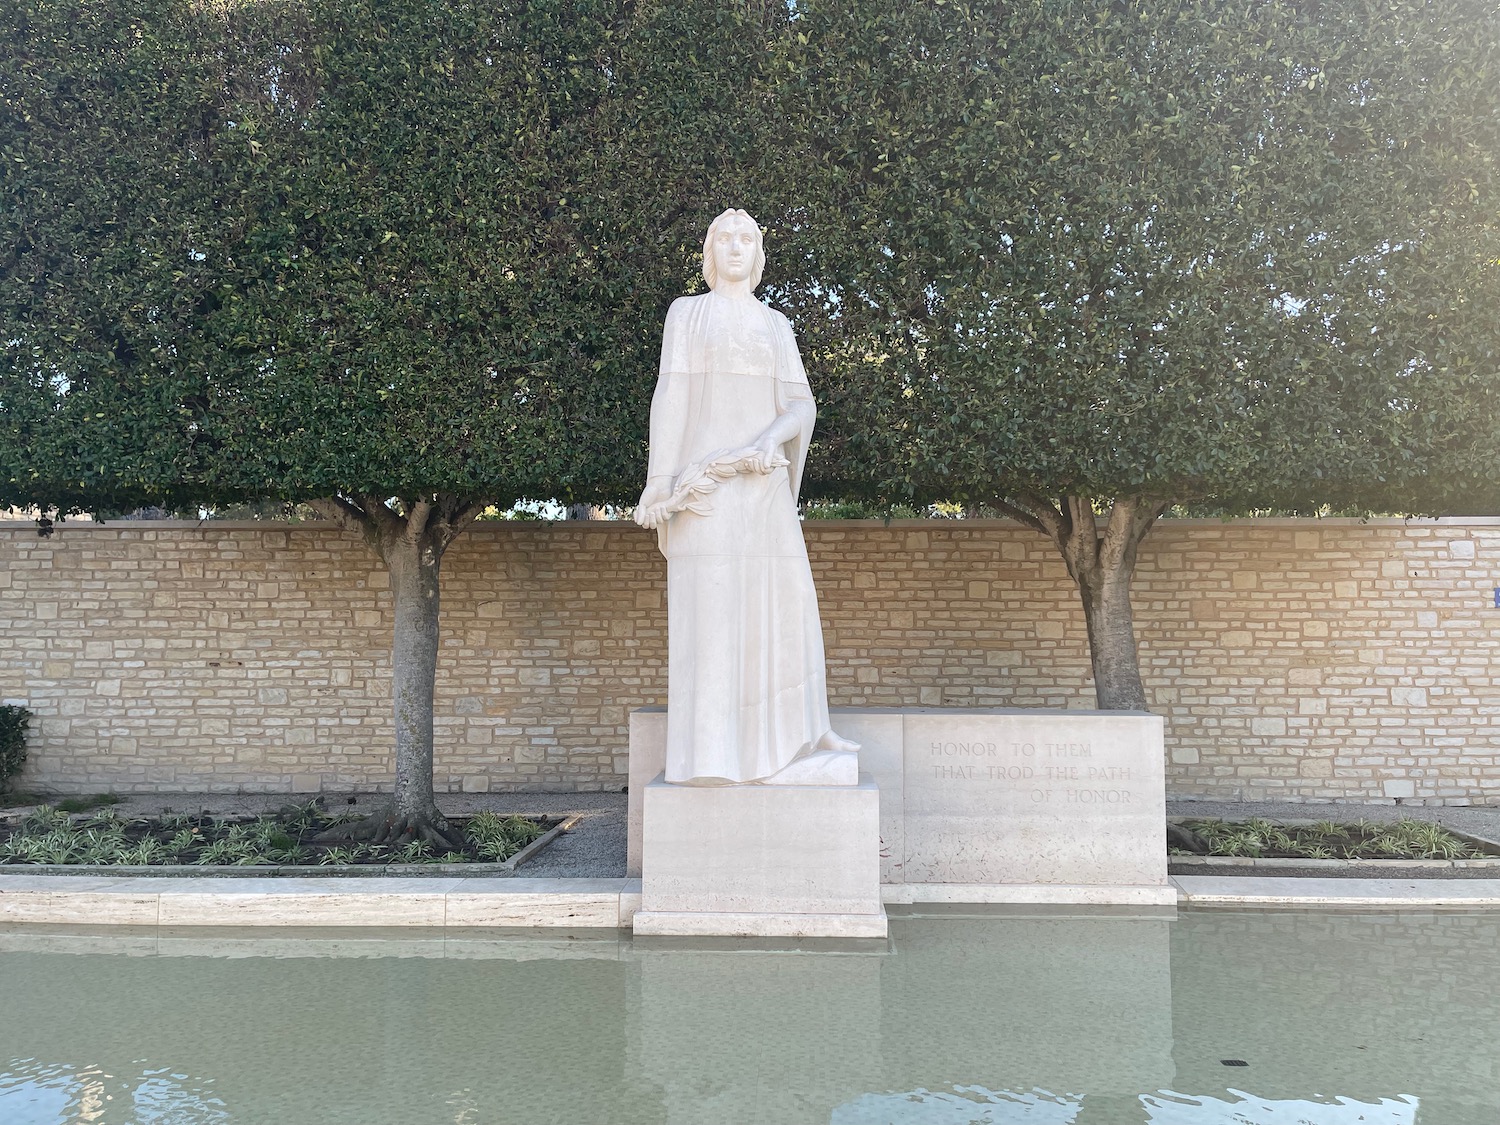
746	693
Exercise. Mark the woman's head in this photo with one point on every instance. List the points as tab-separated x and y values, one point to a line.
733	250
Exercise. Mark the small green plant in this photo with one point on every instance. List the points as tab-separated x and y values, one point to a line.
56	846
217	852
498	838
859	510
14	721
44	819
418	851
143	853
341	855
299	819
101	843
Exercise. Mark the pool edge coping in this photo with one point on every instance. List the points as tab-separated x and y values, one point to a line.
466	903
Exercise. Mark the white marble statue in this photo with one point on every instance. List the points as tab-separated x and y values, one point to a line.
730	423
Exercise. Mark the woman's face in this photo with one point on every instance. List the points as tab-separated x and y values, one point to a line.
734	249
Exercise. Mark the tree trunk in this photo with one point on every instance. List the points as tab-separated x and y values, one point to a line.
1112	648
1102	566
414	567
410	541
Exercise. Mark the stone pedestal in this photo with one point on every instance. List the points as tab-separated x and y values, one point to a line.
981	805
760	861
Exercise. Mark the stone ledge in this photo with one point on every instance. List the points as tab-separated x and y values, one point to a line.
608	904
1023	893
1233	891
684	923
355	902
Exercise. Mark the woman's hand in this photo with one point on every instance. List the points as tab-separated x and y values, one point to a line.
767	447
651	509
767	454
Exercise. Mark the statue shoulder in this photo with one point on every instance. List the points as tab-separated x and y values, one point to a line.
680	314
781	323
681	306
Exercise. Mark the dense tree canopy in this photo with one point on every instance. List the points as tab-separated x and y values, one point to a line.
404	259
294	250
1073	260
401	260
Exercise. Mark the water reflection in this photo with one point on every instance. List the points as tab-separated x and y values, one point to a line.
1379	1019
963	1105
37	1093
1247	1109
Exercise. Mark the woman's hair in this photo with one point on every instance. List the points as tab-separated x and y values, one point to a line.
710	272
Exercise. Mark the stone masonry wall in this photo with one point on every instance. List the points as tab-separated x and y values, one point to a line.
1300	660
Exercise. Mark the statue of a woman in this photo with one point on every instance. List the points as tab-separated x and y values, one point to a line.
730	424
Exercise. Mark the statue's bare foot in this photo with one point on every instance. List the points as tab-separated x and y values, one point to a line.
833	741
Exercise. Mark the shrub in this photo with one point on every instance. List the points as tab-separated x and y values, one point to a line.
13	723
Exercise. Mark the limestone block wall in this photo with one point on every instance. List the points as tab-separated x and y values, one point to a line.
1301	660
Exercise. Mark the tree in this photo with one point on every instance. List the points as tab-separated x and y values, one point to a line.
1083	263
400	261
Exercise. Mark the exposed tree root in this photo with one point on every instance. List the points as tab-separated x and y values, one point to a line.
386	827
1180	837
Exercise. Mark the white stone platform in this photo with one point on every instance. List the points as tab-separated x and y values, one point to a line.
761	861
993	804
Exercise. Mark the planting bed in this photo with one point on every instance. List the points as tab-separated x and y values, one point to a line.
1325	839
50	837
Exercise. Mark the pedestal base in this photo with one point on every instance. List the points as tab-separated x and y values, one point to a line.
752	860
685	923
992	805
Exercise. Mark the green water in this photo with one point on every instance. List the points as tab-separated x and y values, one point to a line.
1100	1020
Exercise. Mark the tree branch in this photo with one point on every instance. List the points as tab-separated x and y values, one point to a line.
337	509
1130	517
416	519
1054	520
454	515
1020	515
470	511
380	519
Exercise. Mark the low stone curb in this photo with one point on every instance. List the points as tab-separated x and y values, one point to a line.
1397	866
291	902
281	871
1261	893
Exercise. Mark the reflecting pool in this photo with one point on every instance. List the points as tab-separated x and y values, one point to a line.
1203	1017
